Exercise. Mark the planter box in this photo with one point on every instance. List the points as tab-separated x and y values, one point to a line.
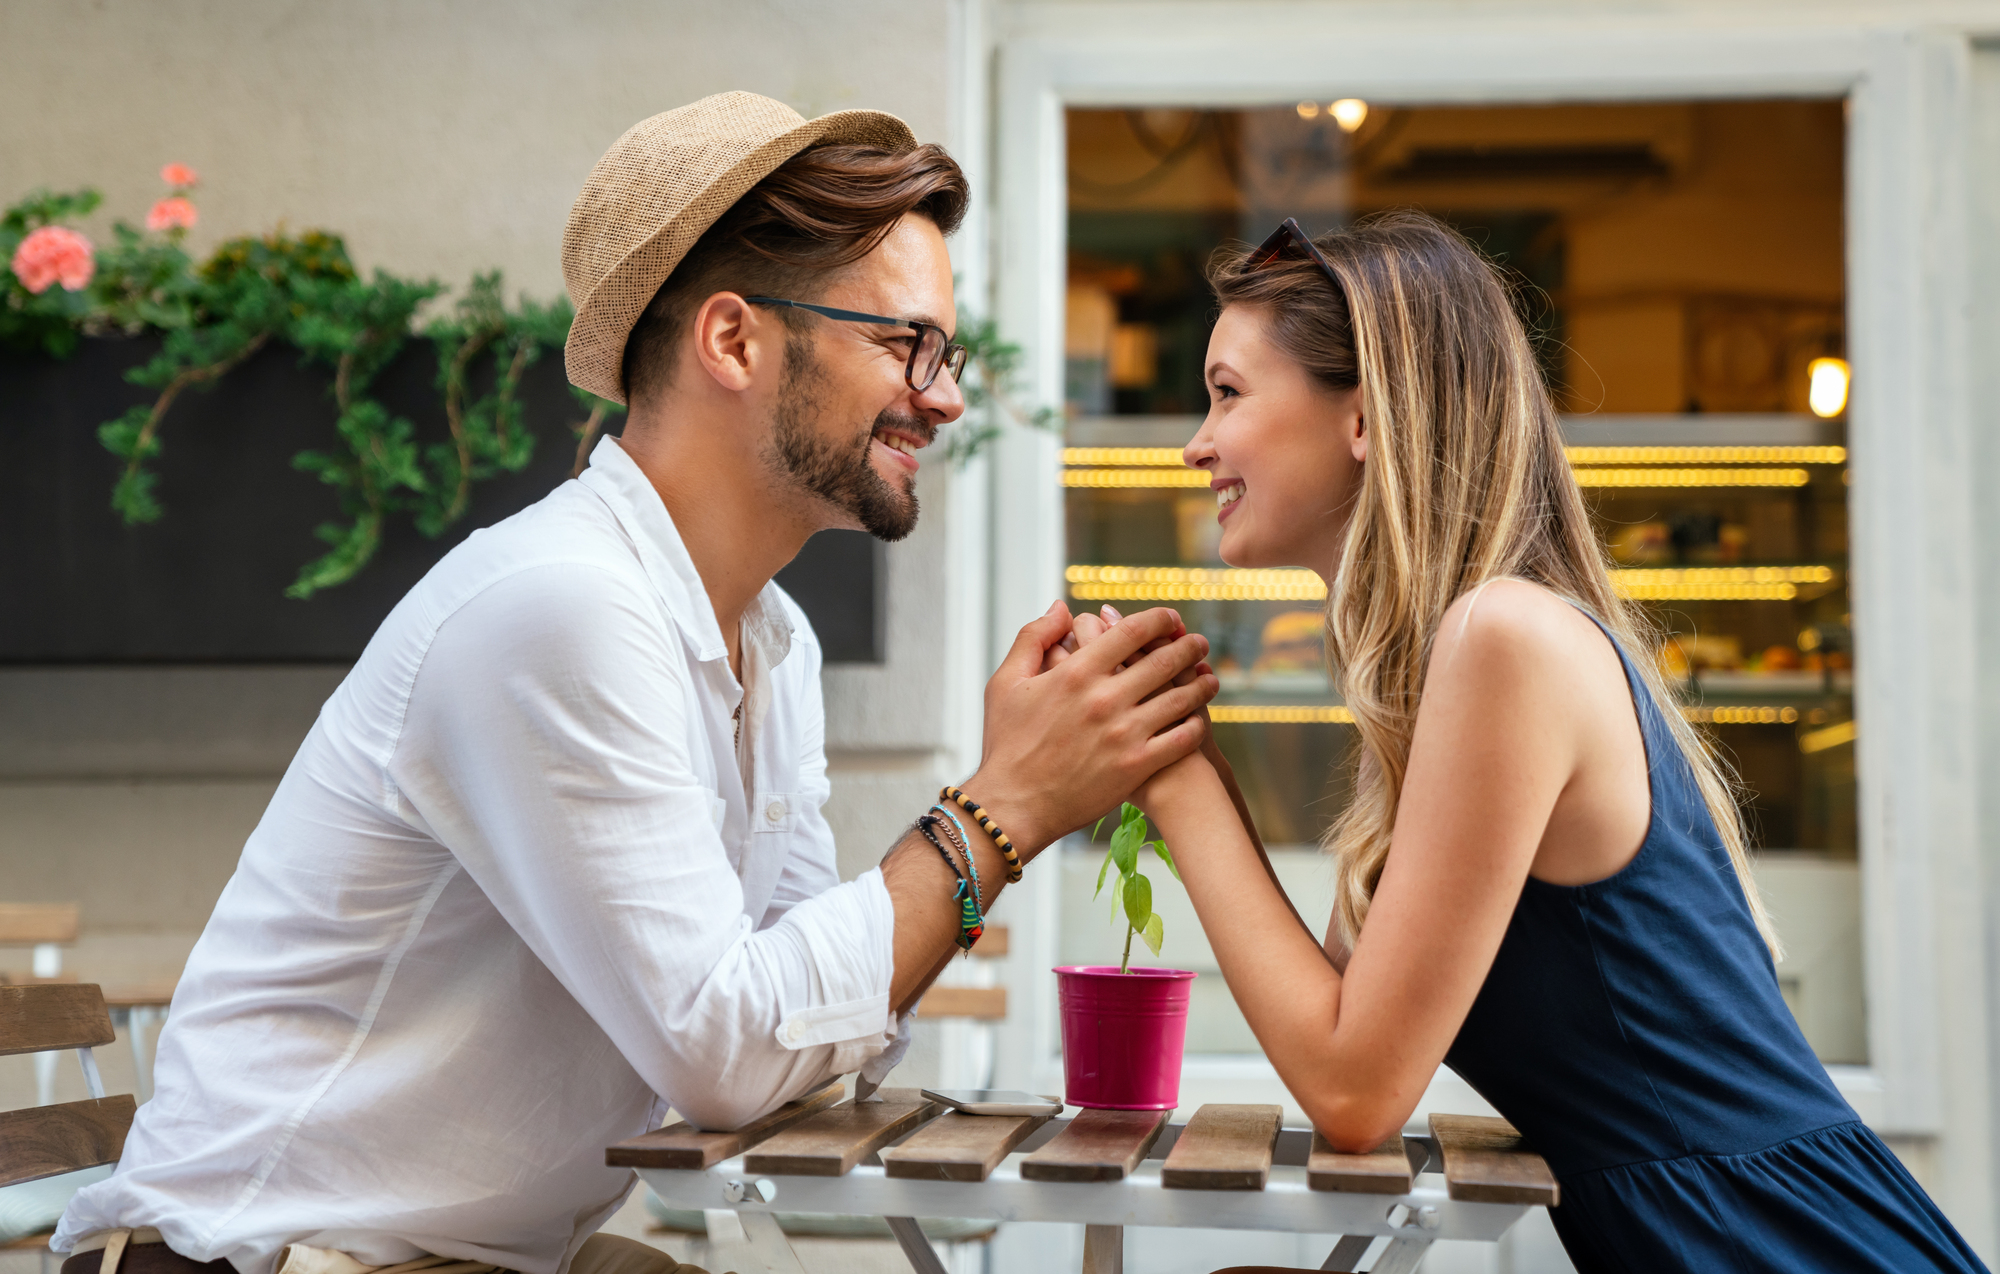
206	583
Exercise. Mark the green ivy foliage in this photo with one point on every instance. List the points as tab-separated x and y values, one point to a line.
990	393
300	291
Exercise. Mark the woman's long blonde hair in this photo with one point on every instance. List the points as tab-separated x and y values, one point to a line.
1465	482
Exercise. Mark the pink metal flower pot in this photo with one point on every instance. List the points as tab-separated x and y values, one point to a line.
1122	1036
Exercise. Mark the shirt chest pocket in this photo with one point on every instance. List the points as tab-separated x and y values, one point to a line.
774	812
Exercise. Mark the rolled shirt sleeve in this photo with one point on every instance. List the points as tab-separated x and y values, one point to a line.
548	747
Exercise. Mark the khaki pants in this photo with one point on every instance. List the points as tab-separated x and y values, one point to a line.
611	1254
107	1253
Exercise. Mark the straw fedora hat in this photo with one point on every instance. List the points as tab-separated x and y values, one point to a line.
655	192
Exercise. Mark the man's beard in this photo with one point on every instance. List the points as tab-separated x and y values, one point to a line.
839	472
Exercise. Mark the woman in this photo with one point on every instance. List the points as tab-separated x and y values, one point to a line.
1541	878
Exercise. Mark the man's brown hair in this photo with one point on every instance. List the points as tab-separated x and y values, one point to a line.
821	210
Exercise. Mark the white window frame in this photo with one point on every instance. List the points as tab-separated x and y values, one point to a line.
1910	421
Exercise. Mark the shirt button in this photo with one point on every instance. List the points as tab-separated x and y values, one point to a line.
774	812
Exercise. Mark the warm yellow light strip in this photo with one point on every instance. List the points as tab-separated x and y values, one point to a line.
1168	456
1134	478
1723	575
1662	478
1192	593
1709	592
1279	714
1198	584
1812	740
1718	583
1287	577
1191	584
1741	715
1685	455
1305	714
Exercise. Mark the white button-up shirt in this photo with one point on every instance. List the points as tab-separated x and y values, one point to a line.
512	900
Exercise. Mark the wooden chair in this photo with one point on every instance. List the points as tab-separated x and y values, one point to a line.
47	927
45	1141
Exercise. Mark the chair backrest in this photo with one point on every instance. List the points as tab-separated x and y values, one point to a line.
30	924
45	926
43	1141
972	994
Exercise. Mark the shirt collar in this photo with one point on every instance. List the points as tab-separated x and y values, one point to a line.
617	480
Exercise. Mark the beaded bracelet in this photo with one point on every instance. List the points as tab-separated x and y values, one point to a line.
970	923
988	826
963	844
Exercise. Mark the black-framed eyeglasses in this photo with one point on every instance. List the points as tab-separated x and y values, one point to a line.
1291	235
931	351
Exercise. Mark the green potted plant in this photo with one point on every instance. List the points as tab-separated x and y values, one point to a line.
1124	1029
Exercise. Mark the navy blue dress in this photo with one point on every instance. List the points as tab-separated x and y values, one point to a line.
1633	1031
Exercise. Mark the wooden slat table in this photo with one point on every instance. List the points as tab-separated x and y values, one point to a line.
1228	1167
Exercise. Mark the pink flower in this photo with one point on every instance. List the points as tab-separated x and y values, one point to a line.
179	176
171	213
54	254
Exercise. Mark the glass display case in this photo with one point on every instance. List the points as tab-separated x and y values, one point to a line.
1680	268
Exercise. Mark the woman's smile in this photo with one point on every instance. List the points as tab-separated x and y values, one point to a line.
1227	493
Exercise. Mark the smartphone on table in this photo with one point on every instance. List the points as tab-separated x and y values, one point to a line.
994	1101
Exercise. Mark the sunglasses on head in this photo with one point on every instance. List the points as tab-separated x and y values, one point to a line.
1290	239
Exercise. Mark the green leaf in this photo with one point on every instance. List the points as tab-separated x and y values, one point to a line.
1100	875
1166	856
132	497
1152	934
1125	848
1138	901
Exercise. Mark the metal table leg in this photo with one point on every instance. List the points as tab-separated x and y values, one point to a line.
1402	1256
138	1023
1103	1249
910	1237
763	1249
1347	1254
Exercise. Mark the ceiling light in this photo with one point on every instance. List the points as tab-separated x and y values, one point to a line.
1348	112
1828	395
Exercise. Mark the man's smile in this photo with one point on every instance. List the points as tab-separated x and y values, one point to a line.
903	442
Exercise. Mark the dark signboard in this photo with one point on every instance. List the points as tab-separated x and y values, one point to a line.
206	583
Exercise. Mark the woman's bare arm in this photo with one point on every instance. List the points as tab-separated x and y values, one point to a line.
1493	750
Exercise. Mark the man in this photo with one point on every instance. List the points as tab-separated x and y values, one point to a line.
552	858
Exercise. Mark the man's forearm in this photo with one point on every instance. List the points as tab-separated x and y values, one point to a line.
921	887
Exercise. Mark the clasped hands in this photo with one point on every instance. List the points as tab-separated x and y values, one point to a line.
1087	711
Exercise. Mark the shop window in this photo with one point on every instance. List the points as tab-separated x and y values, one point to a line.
1680	267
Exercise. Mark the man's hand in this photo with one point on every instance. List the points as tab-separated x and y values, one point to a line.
1087	628
1067	738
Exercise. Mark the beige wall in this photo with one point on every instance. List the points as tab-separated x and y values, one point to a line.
440	139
